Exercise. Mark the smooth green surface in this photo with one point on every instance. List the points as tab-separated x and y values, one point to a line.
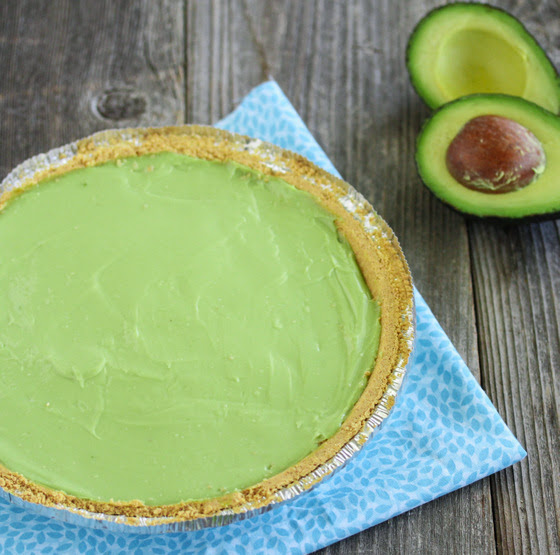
463	48
172	329
541	197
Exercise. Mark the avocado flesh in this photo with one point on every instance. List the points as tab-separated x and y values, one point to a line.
462	49
464	67
540	198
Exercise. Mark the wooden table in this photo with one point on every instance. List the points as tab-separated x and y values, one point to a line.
69	68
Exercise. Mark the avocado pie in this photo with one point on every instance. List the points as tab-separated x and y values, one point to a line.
191	324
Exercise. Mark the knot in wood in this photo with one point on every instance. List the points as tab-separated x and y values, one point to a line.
120	104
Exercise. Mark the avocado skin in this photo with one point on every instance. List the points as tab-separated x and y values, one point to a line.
483	9
505	219
500	221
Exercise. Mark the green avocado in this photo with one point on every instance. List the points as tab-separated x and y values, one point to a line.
506	167
462	49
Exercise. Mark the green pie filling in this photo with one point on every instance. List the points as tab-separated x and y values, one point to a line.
173	329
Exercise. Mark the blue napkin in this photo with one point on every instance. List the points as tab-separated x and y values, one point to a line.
442	434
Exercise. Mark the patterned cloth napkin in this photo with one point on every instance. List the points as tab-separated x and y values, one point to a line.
442	433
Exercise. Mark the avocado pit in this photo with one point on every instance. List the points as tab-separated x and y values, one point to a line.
493	154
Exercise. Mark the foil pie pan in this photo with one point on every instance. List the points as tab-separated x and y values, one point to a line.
355	204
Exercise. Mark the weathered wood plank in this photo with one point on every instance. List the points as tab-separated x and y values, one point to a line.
71	68
342	65
516	273
517	280
219	42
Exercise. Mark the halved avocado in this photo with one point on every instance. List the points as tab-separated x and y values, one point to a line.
462	49
453	179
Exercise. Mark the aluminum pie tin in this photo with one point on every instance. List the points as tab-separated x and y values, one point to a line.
353	203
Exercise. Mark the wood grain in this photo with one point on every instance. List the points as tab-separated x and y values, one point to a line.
517	283
59	58
219	43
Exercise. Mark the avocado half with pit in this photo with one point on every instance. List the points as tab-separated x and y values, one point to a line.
462	49
491	155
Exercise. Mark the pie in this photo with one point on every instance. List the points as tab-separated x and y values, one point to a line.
190	322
